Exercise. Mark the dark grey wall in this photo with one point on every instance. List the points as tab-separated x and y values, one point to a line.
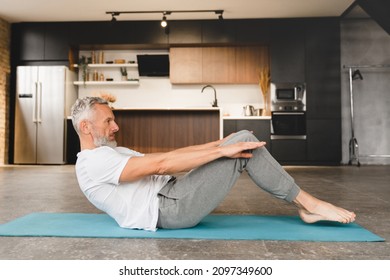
364	42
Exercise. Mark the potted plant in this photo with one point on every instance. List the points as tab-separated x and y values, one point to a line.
83	66
124	73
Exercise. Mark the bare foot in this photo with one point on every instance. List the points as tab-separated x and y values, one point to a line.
313	210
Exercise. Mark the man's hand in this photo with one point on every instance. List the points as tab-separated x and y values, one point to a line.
241	149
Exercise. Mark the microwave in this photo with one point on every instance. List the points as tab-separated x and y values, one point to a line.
288	97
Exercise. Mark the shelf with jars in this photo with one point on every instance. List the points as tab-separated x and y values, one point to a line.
94	72
99	78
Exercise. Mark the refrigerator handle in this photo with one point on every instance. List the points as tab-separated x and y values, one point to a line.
39	112
35	107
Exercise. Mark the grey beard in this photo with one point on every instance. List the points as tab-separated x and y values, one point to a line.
103	141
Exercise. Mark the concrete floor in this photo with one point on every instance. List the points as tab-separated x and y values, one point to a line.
365	190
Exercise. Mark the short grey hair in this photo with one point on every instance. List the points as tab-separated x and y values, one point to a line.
82	108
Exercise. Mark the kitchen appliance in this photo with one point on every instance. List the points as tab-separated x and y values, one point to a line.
249	110
44	96
153	65
288	97
288	111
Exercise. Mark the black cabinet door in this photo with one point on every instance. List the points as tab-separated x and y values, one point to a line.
287	50
324	141
56	41
253	31
323	69
289	151
31	41
217	32
151	32
185	32
260	128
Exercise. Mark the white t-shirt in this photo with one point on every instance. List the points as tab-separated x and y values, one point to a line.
133	204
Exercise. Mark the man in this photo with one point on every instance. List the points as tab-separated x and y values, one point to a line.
138	192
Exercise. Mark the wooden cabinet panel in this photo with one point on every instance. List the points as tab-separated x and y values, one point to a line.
218	65
249	62
222	65
185	65
149	131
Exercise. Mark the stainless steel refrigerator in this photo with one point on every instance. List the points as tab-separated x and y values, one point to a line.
44	96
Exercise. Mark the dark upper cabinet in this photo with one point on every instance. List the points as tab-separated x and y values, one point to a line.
218	32
323	69
42	41
253	31
185	32
56	42
287	50
102	33
151	32
31	41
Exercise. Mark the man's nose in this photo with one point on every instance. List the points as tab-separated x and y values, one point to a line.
115	127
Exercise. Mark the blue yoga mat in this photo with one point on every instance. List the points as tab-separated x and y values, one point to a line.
225	227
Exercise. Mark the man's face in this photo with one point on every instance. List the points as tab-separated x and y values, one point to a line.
104	126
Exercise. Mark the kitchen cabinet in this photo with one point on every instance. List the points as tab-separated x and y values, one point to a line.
185	32
218	65
218	32
31	41
185	65
249	62
324	141
287	51
261	128
323	88
163	130
57	43
289	151
40	41
222	65
323	69
253	31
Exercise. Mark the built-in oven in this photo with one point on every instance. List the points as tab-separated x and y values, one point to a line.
288	111
288	125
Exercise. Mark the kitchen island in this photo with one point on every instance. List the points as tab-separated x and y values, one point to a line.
150	130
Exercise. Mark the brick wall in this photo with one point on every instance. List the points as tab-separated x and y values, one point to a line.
5	35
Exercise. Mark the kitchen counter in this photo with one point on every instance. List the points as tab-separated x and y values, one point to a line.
246	117
149	130
170	109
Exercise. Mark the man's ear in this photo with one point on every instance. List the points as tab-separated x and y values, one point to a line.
85	127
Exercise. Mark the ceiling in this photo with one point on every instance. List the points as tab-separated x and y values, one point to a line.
95	10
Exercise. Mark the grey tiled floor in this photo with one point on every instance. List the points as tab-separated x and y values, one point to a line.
365	190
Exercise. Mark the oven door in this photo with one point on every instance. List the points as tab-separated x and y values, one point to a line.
288	125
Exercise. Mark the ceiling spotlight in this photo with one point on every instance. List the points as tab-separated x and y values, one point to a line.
164	22
113	19
220	14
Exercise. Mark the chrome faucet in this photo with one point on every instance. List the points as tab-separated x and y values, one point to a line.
215	102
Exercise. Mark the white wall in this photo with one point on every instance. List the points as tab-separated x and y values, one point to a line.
159	92
364	42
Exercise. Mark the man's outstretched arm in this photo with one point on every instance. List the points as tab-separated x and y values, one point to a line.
184	159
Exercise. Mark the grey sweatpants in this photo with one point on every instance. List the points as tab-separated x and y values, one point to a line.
184	202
